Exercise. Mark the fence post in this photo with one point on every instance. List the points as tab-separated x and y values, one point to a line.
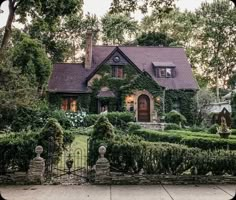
37	167
102	168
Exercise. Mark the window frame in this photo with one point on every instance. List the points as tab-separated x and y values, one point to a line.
116	70
68	102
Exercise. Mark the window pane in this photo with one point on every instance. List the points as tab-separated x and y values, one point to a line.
162	72
119	72
168	72
73	105
64	104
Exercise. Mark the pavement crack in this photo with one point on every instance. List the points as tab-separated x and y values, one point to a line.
167	192
224	190
110	193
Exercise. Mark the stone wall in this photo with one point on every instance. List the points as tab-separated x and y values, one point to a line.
136	179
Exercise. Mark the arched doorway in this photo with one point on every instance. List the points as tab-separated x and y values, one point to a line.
143	108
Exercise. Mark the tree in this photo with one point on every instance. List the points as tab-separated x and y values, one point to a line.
155	39
127	6
65	36
30	58
116	27
48	10
216	41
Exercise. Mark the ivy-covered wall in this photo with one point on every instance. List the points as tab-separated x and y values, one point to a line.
185	99
133	81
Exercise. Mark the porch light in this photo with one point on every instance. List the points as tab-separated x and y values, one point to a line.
130	99
158	99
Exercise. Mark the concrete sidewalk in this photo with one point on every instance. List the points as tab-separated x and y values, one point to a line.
91	192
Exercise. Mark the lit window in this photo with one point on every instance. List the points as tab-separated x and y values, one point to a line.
117	71
162	72
69	104
165	72
168	72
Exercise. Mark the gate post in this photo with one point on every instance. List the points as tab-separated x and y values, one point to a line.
37	167
102	168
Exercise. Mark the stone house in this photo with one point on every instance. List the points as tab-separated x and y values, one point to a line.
147	81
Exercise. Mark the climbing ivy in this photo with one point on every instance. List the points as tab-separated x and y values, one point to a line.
133	81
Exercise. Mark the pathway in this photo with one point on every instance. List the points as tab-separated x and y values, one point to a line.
91	192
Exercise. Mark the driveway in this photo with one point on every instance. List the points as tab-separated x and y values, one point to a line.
91	192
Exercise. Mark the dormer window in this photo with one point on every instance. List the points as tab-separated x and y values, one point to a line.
164	70
117	71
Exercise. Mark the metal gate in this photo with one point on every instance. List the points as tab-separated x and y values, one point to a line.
69	167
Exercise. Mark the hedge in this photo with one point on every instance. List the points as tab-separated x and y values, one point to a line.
118	119
200	140
17	149
130	154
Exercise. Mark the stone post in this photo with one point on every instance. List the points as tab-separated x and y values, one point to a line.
102	168
37	167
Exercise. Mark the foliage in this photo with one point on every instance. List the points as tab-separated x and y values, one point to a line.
50	11
233	106
26	117
127	6
175	117
155	39
116	27
16	151
51	138
132	126
117	119
103	128
196	128
191	139
31	59
214	18
172	126
130	154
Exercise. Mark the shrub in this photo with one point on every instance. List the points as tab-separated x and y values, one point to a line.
132	126
175	117
127	153
16	151
60	116
51	138
233	131
200	140
213	129
197	129
172	126
118	119
103	128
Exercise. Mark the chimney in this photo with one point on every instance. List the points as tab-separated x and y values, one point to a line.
88	50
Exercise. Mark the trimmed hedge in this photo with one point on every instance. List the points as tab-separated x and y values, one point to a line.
118	119
130	154
17	149
199	140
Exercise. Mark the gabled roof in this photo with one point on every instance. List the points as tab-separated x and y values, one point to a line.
72	78
68	78
143	57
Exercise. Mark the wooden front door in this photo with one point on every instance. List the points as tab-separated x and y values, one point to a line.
143	108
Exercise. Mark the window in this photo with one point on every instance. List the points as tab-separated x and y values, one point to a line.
69	104
165	72
117	71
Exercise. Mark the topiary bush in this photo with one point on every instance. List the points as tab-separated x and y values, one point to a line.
51	138
103	128
118	119
213	129
175	117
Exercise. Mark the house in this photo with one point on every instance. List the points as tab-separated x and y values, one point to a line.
147	81
216	111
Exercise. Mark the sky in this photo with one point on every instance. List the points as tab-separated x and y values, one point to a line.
100	7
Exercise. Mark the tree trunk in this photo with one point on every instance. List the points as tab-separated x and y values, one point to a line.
8	30
217	85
